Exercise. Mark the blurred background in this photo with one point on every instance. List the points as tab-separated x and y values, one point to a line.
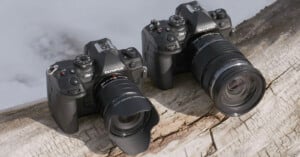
37	33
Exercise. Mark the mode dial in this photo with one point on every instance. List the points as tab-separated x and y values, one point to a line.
83	61
176	21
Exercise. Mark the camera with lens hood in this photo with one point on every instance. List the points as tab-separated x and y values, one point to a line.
194	40
104	81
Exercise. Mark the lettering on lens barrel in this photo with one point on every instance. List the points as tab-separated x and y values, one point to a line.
103	80
194	40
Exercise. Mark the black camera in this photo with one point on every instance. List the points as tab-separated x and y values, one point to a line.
195	40
103	80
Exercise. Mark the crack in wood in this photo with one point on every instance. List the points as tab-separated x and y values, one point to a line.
185	152
212	135
277	77
181	129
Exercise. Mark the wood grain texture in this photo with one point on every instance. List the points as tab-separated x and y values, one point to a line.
189	124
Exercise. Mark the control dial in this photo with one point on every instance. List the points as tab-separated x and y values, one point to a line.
176	21
83	61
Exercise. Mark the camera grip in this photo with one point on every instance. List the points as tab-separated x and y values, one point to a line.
163	71
64	111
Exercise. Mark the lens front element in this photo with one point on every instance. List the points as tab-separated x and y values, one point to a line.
238	90
127	125
129	120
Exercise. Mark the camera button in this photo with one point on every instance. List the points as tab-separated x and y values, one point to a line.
171	47
160	29
155	23
132	64
129	53
72	71
170	38
74	81
62	73
222	24
221	13
74	91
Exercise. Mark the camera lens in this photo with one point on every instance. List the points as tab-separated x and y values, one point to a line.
226	75
128	115
127	125
238	90
118	91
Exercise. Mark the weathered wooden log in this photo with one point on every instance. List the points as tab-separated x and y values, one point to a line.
189	124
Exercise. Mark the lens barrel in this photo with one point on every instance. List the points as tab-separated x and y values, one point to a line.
226	75
128	115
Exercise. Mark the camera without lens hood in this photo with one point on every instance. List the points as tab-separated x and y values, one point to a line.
194	40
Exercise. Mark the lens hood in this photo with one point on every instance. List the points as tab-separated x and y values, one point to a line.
139	141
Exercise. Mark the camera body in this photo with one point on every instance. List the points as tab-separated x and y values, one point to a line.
165	42
71	83
194	40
